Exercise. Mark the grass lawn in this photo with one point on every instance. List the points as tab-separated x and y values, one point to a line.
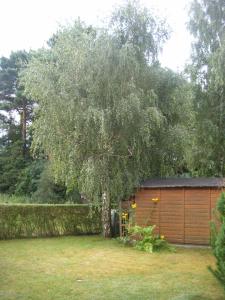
93	268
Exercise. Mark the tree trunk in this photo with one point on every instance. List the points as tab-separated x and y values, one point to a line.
24	128
106	215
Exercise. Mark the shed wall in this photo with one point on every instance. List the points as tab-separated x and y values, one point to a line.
182	215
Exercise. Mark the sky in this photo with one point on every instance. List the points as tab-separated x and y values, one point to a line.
28	24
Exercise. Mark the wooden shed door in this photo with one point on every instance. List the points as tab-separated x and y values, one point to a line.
172	214
147	212
197	216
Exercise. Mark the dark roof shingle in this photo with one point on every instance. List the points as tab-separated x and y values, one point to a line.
183	182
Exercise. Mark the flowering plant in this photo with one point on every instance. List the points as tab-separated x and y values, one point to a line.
124	215
155	199
133	205
143	238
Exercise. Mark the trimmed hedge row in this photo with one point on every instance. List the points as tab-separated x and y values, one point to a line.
42	220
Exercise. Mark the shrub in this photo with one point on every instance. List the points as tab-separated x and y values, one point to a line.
13	199
35	220
143	238
219	244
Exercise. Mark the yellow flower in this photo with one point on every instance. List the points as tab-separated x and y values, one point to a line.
124	215
134	205
155	199
162	237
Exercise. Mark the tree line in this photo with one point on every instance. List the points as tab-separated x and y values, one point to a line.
94	113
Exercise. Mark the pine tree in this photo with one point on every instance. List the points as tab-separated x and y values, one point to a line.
16	113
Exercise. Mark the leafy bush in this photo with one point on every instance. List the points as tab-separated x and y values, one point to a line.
35	220
29	178
37	183
143	238
219	244
13	199
48	189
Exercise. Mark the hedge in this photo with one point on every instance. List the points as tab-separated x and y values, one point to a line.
43	220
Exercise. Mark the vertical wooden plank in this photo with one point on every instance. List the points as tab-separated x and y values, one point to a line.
210	204
184	217
159	210
172	214
210	215
147	212
197	216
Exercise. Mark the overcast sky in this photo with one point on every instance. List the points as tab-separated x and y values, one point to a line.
28	24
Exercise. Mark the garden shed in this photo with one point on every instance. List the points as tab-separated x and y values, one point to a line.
181	208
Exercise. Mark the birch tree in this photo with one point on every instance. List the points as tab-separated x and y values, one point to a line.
99	117
207	24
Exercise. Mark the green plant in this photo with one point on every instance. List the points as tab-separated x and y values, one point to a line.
144	239
14	199
36	220
219	243
125	240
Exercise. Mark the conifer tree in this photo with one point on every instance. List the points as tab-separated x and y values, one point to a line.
219	246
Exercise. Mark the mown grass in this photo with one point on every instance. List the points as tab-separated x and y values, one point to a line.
93	268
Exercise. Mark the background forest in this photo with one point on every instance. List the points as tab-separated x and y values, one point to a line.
94	113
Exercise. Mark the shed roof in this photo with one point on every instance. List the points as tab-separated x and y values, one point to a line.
184	182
